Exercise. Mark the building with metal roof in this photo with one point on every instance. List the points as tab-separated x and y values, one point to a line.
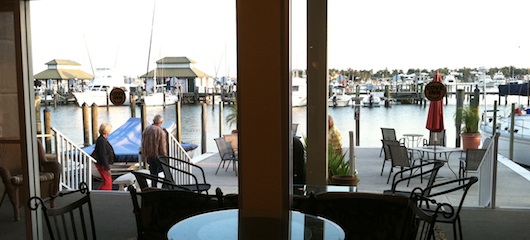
61	74
177	71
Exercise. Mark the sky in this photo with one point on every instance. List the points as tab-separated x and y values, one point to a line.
362	35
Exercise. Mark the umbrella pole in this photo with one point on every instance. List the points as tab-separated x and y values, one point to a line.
435	143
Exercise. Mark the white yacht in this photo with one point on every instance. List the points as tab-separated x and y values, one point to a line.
499	78
101	87
521	135
299	91
484	80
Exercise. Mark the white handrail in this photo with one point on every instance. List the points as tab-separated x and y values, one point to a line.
76	164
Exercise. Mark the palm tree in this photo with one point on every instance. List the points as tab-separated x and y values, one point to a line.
232	117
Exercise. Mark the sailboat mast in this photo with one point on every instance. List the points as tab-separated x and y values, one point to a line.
151	39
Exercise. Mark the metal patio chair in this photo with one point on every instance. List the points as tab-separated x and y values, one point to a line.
227	154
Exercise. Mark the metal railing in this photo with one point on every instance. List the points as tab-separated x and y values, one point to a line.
487	175
77	165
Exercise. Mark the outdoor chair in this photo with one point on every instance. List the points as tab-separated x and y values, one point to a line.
425	220
232	139
449	213
156	210
71	218
389	134
227	154
368	215
472	159
184	174
432	172
146	180
386	150
400	157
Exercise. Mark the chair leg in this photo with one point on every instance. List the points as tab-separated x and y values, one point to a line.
382	168
381	152
459	228
390	173
222	161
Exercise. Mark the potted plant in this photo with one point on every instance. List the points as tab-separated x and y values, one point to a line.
339	170
470	134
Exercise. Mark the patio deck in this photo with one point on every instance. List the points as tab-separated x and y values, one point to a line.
115	220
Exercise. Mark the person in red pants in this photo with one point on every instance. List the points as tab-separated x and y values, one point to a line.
104	154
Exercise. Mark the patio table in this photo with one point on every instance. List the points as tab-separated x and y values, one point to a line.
412	139
437	150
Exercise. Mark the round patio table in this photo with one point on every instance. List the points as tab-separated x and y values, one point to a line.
224	225
413	138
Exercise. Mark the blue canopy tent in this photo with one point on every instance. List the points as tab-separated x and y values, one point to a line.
126	140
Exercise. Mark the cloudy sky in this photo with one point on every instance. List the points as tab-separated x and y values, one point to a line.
373	34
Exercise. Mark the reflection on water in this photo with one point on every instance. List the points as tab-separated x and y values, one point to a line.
404	118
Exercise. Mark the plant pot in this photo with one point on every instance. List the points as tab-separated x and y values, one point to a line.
470	140
344	180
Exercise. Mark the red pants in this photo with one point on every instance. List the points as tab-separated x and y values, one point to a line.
106	177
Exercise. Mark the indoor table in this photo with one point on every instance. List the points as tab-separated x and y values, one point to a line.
224	225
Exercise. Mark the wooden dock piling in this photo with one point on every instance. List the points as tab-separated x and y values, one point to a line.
86	126
204	128
95	127
48	129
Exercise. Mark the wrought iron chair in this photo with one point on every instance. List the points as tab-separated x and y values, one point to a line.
432	172
73	220
184	174
156	210
145	180
448	213
227	154
359	214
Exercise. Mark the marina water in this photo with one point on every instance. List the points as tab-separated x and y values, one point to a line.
405	118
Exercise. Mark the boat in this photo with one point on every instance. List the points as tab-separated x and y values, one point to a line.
103	85
499	78
520	89
371	100
339	98
484	80
160	97
299	92
127	139
521	135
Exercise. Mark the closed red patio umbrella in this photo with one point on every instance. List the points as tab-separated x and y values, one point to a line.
435	91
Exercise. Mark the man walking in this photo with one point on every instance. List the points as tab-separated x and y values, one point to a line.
154	144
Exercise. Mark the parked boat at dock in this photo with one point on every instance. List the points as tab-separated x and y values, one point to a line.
100	88
371	101
339	98
521	135
159	99
299	91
